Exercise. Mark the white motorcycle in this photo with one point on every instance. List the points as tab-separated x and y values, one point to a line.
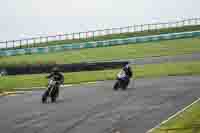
122	81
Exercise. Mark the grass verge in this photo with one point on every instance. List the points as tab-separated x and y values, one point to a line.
160	48
8	83
185	120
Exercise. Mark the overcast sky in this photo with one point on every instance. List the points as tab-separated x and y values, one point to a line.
29	18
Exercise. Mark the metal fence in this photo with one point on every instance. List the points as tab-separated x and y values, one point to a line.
95	44
38	41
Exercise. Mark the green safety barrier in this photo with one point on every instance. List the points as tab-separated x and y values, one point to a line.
132	40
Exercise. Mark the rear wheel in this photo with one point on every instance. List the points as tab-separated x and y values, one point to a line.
125	84
124	87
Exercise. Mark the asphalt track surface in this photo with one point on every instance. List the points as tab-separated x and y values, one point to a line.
96	108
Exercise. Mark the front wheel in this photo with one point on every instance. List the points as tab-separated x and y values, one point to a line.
44	96
53	99
116	85
54	94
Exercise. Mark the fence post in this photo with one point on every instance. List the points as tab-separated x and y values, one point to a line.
6	44
141	28
176	25
186	22
196	21
128	29
47	39
86	35
34	42
131	29
183	23
73	36
163	26
112	30
40	39
135	28
120	30
13	43
66	36
107	30
20	43
155	27
189	21
27	43
168	25
79	35
93	34
193	21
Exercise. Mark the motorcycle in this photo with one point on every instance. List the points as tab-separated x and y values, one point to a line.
51	91
122	81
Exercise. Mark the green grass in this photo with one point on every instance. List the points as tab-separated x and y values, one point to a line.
160	48
118	36
150	70
184	120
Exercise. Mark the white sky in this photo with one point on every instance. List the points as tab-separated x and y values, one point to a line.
26	18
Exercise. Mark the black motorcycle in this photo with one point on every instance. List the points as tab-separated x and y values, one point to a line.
51	91
122	81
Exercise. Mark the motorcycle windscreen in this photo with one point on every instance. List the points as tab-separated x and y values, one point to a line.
121	74
52	82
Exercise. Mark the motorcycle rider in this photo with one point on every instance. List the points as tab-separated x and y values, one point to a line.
127	70
58	77
124	75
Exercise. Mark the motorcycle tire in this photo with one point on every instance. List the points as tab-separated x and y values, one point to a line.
124	88
116	86
44	96
54	95
125	85
53	99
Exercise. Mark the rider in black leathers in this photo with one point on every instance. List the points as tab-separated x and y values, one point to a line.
128	72
58	76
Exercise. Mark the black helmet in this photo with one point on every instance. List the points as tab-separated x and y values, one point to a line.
126	63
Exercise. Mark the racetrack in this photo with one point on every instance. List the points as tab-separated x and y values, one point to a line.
96	108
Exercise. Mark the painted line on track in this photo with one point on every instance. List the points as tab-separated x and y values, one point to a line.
90	83
177	113
13	93
68	85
